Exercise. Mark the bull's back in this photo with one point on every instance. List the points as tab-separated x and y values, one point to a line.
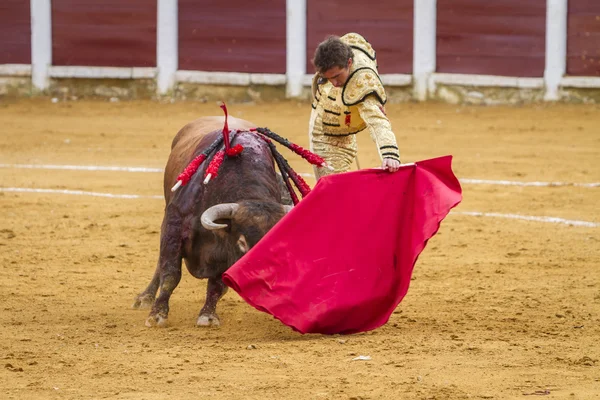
188	139
190	135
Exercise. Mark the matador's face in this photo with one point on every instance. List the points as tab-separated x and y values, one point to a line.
338	76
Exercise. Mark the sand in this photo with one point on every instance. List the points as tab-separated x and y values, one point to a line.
498	308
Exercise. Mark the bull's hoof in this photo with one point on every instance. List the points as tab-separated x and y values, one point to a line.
208	320
158	321
142	301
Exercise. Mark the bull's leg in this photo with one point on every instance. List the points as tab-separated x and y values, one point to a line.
170	275
168	271
214	291
146	298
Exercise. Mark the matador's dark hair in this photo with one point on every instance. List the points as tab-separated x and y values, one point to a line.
332	52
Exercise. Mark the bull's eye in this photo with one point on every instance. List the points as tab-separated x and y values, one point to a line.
243	244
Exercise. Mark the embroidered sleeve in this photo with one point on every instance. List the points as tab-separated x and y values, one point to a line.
311	123
371	111
316	98
316	90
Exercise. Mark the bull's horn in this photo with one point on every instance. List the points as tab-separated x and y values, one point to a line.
218	211
287	208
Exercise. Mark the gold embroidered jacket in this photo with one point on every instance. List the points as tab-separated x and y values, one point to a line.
341	112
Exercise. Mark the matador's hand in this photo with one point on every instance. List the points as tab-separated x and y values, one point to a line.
390	164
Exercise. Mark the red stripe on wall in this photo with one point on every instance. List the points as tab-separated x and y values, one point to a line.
500	37
386	24
583	38
113	33
15	32
232	36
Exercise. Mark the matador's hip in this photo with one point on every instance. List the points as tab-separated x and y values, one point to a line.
338	151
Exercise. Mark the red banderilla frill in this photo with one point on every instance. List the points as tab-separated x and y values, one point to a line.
213	168
309	156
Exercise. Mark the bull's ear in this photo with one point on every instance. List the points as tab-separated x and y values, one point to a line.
243	244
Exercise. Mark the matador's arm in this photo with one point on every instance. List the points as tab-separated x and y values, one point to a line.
380	128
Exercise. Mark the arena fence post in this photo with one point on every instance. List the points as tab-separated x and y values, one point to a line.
556	47
295	46
41	43
424	45
167	46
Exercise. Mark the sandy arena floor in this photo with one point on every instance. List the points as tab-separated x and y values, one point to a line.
498	308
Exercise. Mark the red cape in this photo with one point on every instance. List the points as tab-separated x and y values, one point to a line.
341	260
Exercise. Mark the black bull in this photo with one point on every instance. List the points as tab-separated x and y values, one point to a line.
211	226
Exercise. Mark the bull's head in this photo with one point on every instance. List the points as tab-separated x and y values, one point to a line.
248	221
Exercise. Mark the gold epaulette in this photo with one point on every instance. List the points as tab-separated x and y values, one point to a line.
358	42
363	82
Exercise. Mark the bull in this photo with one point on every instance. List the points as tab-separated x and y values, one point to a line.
211	226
